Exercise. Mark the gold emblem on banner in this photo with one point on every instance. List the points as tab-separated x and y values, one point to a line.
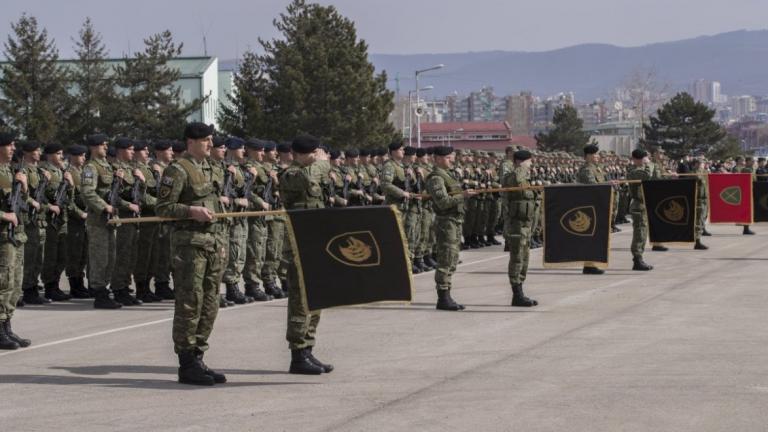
674	210
355	249
731	195
580	221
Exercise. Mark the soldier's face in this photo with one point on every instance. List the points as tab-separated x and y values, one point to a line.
6	152
445	162
236	154
33	156
99	151
397	154
271	155
125	154
200	148
217	153
141	155
164	155
77	161
56	158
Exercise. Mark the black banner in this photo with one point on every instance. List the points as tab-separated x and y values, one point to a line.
760	195
577	225
350	256
670	206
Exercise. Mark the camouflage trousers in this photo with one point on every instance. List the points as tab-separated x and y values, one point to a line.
101	251
517	234
163	265
701	218
494	216
238	239
255	250
470	217
54	254
147	250
274	250
448	231
77	248
197	271
302	324
426	237
482	218
125	255
412	228
33	254
639	230
11	273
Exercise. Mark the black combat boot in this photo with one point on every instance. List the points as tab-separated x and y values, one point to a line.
53	292
506	246
640	265
706	233
415	269
164	291
20	302
419	262
445	302
235	295
191	372
430	261
6	343
302	365
474	242
467	241
77	288
700	246
101	300
218	378
14	337
143	293
519	298
271	289
591	270
615	229
224	303
253	290
747	231
124	297
324	366
284	287
659	248
491	241
32	296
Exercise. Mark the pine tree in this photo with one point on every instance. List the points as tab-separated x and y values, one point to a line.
33	85
683	126
150	105
244	115
566	135
94	99
321	82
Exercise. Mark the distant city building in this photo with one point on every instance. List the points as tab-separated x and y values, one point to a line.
619	137
520	112
743	106
707	92
493	136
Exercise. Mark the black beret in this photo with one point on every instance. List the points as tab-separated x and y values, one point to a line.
394	145
409	151
352	153
443	150
761	159
197	130
30	146
639	153
111	152
235	143
521	155
270	146
430	150
163	145
140	145
123	143
335	154
179	146
382	151
52	148
219	141
95	140
284	148
254	144
591	149
77	150
305	144
421	152
324	147
365	152
6	138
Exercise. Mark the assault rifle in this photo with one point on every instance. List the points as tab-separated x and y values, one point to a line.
60	199
137	195
15	205
113	196
39	193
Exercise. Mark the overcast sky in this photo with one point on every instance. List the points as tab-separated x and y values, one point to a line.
396	26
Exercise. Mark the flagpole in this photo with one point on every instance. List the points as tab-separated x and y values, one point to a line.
150	219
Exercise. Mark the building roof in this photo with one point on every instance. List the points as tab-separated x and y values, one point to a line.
448	127
190	67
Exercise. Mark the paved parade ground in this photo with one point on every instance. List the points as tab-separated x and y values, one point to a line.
681	348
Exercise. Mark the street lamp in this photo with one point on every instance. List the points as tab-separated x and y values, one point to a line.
410	111
418	121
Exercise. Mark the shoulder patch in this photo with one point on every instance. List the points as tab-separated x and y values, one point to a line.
167	181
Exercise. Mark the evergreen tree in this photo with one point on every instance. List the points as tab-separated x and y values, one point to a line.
150	104
728	147
32	84
566	135
244	115
94	98
321	82
682	126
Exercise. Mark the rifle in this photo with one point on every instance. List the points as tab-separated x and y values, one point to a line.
15	205
137	194
229	188
250	181
157	177
113	196
60	199
39	193
267	195
345	188
361	188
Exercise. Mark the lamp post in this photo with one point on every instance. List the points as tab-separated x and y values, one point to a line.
410	112
418	120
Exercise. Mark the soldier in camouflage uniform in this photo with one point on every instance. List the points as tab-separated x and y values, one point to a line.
745	166
257	226
641	170
427	220
300	189
275	225
188	190
448	200
412	222
702	196
34	224
11	254
162	267
146	255
77	241
591	173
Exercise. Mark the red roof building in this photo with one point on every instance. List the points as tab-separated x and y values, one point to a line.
493	136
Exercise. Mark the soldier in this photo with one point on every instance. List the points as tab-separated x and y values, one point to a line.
300	189
146	243
448	201
11	248
285	159
393	184
427	220
34	224
54	254
745	166
521	209
257	227
591	173
641	170
77	241
219	167
275	224
99	179
187	191
701	202
162	267
412	224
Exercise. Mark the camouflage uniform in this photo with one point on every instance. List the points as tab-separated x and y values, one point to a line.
448	205
35	233
146	243
521	211
76	241
127	235
54	254
257	232
11	257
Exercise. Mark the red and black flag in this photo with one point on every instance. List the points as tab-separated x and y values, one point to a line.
760	200
671	209
350	256
577	225
730	198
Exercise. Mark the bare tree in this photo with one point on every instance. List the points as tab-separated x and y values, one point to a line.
645	92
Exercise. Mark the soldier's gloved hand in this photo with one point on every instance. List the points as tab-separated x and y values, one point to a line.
200	214
133	207
10	218
54	209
